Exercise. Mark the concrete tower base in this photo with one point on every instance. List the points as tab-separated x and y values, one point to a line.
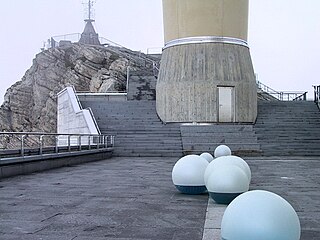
207	79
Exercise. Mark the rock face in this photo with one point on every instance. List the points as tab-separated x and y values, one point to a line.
30	104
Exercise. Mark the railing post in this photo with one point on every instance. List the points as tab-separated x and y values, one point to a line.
79	141
112	141
22	145
89	142
69	143
316	94
41	144
98	143
57	142
128	77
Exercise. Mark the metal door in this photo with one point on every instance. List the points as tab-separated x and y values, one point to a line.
226	104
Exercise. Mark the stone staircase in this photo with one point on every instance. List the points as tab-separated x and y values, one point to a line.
241	138
138	130
288	128
282	129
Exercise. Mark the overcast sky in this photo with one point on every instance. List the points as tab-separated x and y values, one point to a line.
283	35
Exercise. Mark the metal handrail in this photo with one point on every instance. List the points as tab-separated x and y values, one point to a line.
118	45
302	97
83	142
290	96
266	88
94	119
75	93
54	42
89	109
317	95
283	95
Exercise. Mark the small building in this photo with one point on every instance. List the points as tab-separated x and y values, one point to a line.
89	35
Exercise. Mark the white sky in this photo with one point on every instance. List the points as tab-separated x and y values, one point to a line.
283	35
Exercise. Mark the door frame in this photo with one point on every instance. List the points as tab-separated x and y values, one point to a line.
233	103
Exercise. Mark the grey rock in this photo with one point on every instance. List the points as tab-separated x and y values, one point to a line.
30	104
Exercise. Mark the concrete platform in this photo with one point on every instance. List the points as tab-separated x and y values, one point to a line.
296	179
133	198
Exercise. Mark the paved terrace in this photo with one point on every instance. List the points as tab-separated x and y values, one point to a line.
133	198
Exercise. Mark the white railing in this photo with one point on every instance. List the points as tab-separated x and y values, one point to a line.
20	144
283	95
317	95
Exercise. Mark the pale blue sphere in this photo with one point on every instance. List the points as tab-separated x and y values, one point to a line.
260	215
187	174
222	150
226	183
207	156
227	160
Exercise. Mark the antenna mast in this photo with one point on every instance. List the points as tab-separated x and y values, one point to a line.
89	7
89	10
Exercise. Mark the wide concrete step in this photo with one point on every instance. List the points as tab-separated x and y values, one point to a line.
282	128
143	133
288	128
153	142
240	138
138	130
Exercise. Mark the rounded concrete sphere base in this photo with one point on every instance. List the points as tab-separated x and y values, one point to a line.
223	198
192	190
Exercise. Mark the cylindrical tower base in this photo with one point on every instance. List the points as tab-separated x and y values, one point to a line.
206	79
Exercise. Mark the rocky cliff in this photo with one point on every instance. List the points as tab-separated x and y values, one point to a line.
30	104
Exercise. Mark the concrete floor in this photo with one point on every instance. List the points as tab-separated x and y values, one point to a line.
296	179
133	198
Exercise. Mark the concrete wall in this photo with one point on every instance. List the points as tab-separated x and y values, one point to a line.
31	164
210	52
190	74
189	18
71	118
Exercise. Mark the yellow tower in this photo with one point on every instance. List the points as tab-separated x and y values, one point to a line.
206	73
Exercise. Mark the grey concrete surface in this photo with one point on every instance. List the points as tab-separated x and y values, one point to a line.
296	179
133	198
119	198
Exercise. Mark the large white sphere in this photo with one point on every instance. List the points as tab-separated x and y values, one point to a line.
260	215
222	150
207	156
230	160
187	174
227	182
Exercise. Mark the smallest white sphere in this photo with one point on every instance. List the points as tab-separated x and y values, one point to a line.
207	156
222	150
